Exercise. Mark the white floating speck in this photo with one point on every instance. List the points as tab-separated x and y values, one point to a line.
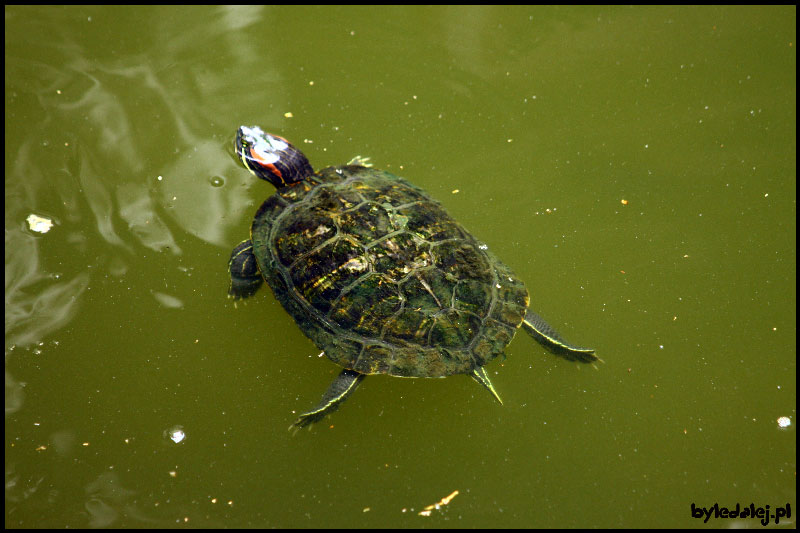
176	434
39	224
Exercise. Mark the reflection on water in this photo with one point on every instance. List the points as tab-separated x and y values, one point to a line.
120	137
116	136
37	303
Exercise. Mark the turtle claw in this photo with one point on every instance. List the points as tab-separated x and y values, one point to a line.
479	374
360	161
297	426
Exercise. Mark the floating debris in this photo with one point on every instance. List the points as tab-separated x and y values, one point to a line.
438	505
39	224
784	422
176	434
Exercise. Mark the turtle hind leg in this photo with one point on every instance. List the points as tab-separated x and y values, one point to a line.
243	269
479	374
550	339
338	391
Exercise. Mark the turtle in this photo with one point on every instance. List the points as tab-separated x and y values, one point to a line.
377	274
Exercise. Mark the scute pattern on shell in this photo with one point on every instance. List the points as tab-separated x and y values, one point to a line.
381	278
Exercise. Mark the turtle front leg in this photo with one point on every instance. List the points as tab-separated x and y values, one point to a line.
243	268
550	339
342	387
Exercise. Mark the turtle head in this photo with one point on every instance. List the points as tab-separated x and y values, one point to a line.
270	157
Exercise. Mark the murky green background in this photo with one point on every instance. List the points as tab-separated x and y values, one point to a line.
636	166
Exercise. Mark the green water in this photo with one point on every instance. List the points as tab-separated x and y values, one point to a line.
636	166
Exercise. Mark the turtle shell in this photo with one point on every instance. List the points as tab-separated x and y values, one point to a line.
381	278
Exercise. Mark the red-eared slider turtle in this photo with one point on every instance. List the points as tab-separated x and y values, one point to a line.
377	274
